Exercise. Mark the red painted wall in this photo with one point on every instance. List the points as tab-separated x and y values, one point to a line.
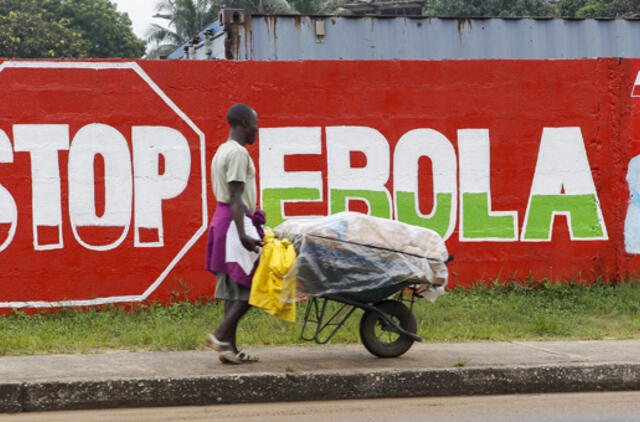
514	100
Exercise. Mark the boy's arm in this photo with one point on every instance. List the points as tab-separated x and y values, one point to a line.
237	212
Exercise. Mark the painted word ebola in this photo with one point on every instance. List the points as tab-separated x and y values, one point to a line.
562	183
122	177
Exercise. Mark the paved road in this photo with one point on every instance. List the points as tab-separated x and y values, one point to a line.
589	407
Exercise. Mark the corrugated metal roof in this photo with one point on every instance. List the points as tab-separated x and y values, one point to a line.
179	53
295	37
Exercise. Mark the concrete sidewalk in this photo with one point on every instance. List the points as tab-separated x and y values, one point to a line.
48	382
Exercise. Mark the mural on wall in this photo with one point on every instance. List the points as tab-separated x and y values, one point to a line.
95	153
632	220
562	182
104	196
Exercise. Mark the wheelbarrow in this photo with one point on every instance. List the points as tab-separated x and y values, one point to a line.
388	326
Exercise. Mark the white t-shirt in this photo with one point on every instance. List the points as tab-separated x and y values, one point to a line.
232	163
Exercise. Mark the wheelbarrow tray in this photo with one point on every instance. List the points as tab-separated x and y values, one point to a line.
357	272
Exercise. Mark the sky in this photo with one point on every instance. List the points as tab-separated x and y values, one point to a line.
140	12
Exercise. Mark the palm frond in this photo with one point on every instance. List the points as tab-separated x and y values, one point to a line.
159	34
161	50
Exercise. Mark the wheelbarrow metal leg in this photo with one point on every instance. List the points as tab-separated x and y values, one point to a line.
319	316
377	310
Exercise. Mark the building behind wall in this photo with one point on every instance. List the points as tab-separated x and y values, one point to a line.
239	36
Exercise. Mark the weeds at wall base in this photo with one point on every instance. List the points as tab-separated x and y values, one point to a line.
494	311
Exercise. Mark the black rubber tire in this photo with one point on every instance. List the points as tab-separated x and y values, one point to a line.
382	341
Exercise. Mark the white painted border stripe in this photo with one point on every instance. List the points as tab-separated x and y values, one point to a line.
70	303
205	219
637	82
44	64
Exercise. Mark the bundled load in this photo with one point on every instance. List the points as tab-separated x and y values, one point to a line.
356	253
269	290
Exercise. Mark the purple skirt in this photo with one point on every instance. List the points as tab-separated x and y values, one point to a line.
225	254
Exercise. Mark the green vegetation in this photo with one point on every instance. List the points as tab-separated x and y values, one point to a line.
66	29
25	33
598	8
501	312
186	18
489	8
534	311
564	8
107	32
459	363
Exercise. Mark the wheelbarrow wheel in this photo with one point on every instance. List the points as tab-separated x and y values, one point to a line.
379	337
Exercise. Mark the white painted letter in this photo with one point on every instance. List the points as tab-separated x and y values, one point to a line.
151	186
563	185
478	221
44	142
365	183
8	208
105	140
426	143
278	185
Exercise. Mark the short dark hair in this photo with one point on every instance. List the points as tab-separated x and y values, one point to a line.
238	113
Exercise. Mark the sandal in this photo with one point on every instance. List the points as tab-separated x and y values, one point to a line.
240	357
217	345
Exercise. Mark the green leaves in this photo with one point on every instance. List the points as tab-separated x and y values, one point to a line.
469	8
564	8
66	29
186	19
25	33
108	33
599	8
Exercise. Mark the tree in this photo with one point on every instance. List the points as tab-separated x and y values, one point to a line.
265	7
25	33
568	8
598	8
469	8
309	7
107	31
66	28
186	19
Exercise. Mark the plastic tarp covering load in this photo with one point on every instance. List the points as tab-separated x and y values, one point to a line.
368	258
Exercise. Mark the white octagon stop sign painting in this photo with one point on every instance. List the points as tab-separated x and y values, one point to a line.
102	183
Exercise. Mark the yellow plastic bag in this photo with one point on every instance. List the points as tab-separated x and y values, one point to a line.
269	289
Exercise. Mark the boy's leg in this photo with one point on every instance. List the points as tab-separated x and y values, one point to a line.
234	311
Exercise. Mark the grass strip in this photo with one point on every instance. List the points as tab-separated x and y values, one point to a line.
499	312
